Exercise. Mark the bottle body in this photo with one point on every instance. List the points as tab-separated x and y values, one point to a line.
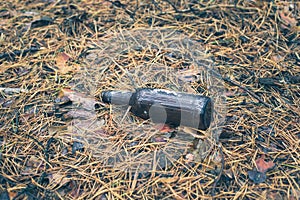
164	106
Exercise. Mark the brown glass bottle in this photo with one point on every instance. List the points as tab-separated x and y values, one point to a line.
164	106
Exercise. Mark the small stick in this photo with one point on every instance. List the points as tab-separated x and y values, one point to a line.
12	90
128	109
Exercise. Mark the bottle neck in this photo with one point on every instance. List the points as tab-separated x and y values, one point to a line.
116	97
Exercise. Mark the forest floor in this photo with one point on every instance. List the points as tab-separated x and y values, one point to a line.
56	56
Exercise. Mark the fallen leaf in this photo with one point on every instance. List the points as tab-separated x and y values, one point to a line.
256	176
164	128
86	102
277	58
43	21
12	195
288	19
61	62
58	179
62	58
262	165
216	157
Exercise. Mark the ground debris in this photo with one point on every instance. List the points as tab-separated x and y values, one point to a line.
43	21
256	176
259	175
262	165
58	143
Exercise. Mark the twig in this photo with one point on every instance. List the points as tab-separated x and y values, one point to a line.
128	109
12	90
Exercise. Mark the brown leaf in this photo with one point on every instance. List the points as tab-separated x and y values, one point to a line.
288	19
62	58
12	195
61	62
86	102
164	128
262	165
58	179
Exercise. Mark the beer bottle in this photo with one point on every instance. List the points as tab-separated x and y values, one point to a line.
164	106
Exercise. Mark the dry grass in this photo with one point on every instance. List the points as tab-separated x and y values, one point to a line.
42	158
